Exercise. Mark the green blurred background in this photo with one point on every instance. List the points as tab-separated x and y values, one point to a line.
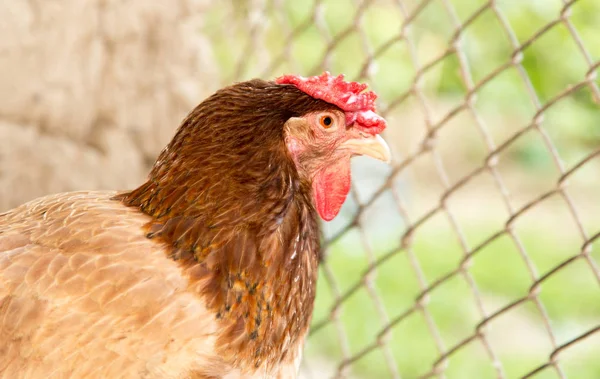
372	41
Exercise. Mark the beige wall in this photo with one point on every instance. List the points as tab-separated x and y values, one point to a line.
90	91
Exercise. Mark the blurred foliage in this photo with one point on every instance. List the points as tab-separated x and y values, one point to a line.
368	43
499	272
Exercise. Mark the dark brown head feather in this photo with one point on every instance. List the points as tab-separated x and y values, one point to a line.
226	198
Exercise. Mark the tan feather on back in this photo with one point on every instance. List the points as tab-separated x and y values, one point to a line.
77	275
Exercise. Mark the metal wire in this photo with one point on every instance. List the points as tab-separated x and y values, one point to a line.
261	56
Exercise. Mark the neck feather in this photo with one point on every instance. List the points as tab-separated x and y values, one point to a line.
229	205
249	248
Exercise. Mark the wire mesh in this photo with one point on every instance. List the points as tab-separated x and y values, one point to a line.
458	260
308	37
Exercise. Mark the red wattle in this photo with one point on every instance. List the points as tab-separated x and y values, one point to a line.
330	188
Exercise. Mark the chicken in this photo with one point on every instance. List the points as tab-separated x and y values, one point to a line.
208	269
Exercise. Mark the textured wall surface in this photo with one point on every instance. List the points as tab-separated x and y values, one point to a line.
96	87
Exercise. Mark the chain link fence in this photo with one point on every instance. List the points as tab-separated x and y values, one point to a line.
475	255
485	208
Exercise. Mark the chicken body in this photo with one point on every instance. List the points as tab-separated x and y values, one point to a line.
206	270
75	281
82	295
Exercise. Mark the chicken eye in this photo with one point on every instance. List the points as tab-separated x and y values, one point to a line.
326	121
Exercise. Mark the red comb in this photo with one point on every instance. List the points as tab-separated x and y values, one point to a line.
348	96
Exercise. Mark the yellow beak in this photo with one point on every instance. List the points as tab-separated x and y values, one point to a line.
372	146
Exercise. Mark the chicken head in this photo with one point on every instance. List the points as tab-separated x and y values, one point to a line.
322	143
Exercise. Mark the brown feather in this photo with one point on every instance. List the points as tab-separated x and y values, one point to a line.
206	270
249	221
112	306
